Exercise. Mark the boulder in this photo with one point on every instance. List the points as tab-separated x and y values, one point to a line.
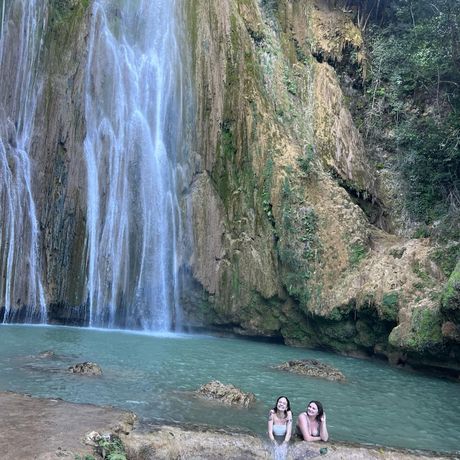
226	394
312	368
86	368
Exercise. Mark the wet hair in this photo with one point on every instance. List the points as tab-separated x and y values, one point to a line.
288	407
320	409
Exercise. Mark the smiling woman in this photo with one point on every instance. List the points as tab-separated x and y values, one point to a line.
312	423
158	374
280	421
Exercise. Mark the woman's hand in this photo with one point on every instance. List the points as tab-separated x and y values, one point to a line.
323	417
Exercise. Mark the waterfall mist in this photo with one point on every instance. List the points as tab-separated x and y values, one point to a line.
21	32
136	92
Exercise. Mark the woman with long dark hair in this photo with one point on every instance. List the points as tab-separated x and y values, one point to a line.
280	421
312	423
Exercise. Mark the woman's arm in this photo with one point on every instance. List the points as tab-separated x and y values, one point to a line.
302	423
288	427
270	425
323	428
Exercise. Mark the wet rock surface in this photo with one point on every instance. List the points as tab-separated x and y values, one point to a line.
165	442
47	354
312	368
226	394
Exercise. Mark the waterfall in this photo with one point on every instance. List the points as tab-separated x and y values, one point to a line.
22	296
134	151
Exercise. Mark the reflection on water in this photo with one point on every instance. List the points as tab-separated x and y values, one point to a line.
154	376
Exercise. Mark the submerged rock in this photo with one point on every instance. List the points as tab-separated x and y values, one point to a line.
227	394
47	354
86	368
312	368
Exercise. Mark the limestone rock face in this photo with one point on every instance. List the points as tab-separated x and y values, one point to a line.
57	152
304	244
338	142
208	225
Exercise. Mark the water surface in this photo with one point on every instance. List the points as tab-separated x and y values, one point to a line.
154	376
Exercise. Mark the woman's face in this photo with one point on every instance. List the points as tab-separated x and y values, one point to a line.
312	410
281	404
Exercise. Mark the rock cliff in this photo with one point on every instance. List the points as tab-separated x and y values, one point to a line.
57	150
297	237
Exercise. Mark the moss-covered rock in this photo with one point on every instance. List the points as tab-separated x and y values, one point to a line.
451	295
424	334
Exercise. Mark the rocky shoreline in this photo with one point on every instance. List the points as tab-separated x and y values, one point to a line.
48	429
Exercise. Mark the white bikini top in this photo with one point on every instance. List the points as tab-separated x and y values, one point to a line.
279	430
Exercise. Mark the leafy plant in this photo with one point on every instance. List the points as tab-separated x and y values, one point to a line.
413	99
111	448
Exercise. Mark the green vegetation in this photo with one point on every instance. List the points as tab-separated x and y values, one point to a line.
426	281
306	160
446	257
63	8
65	21
108	447
413	98
356	253
389	307
426	330
451	295
299	247
111	448
266	191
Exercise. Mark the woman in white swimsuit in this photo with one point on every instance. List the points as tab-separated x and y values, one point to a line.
280	421
312	423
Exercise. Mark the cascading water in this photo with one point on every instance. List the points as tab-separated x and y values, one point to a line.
21	292
135	93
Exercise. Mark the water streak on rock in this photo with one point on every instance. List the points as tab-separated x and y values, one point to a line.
22	26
